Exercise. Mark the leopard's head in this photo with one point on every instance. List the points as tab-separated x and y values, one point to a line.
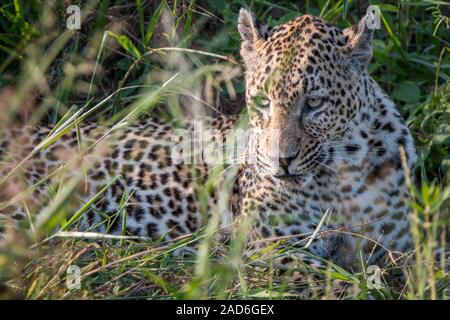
305	82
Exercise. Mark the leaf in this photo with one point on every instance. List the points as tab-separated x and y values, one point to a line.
151	26
441	139
445	164
141	17
393	37
388	8
18	8
345	9
127	44
407	91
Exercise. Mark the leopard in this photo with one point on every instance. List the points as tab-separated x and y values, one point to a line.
342	144
326	166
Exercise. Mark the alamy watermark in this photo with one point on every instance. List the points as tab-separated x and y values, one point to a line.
206	145
73	277
374	277
374	17
74	20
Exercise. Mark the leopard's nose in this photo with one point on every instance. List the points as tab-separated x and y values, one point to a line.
284	162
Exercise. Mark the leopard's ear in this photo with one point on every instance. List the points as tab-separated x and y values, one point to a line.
252	32
358	49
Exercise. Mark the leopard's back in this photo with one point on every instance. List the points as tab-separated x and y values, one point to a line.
131	173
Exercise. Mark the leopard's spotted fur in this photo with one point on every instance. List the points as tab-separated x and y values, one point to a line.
341	156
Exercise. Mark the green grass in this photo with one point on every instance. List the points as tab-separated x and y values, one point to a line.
134	58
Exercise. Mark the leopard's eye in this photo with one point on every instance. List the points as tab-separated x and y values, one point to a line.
262	102
314	103
265	103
